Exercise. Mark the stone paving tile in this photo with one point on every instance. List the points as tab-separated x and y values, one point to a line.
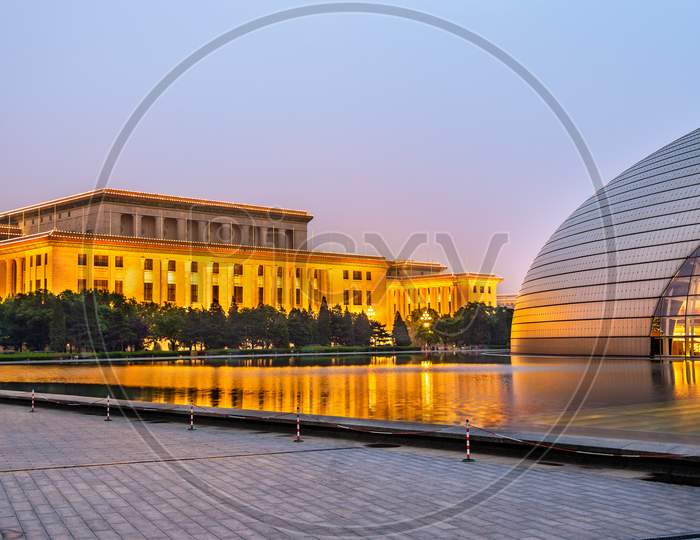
64	474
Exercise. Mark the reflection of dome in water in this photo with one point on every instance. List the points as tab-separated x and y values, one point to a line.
596	286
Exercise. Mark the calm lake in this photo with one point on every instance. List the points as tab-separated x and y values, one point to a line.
495	391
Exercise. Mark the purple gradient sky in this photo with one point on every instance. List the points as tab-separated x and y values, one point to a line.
370	123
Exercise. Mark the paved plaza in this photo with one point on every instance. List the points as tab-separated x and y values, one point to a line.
68	474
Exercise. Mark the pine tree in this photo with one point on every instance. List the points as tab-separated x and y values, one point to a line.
361	329
57	327
323	324
233	336
300	325
336	321
400	332
345	333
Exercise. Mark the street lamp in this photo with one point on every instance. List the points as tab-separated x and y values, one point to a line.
426	319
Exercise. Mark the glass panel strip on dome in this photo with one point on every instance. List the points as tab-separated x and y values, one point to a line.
676	321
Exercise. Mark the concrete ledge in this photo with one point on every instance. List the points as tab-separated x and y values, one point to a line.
576	445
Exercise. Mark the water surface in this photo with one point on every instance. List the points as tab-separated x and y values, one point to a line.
496	391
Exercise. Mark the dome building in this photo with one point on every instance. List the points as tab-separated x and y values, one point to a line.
621	276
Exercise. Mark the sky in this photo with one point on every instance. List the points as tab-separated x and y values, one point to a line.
375	125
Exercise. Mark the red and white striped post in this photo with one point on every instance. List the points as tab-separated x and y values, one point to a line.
298	437
107	418
32	409
191	428
468	459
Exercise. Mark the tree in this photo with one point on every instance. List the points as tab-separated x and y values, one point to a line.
213	329
346	336
336	321
379	335
169	325
400	332
27	319
191	330
276	329
264	326
500	326
422	322
233	332
361	329
473	320
323	324
300	326
98	320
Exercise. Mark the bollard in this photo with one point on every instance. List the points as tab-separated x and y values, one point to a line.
32	409
298	437
191	428
468	459
107	418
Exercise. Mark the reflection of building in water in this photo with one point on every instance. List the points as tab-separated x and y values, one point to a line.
426	385
389	360
683	377
421	391
569	387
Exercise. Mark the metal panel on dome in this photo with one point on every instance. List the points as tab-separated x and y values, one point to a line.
615	275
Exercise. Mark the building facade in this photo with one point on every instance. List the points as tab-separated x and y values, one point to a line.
195	252
506	300
621	276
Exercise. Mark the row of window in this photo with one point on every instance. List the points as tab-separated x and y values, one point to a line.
357	275
101	285
37	260
50	217
407	309
171	294
481	289
103	261
356	298
37	285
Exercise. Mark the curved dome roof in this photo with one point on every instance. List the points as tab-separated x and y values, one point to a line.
594	286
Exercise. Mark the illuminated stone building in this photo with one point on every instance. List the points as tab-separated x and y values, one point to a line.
194	252
621	275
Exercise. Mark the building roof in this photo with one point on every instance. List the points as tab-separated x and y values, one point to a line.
449	276
95	241
419	265
123	195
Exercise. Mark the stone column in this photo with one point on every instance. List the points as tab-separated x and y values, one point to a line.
248	285
187	281
20	274
257	235
205	284
270	297
11	278
137	225
182	229
5	279
116	223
